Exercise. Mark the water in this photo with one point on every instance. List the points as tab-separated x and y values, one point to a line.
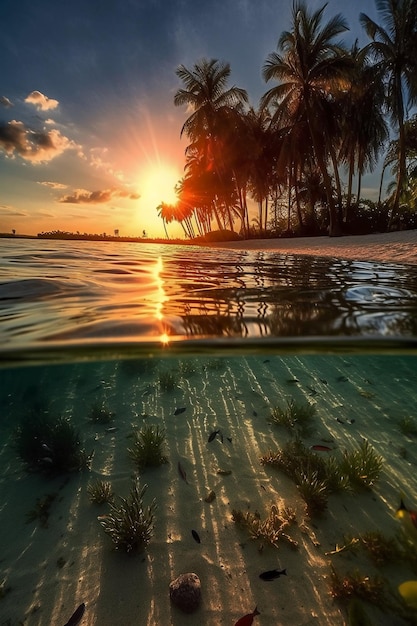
196	341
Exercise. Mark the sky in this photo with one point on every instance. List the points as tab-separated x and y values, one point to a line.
89	134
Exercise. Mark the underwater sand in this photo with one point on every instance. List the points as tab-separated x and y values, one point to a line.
48	572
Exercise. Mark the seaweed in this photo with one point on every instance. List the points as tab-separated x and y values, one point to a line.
314	492
408	426
50	445
167	380
271	529
100	492
130	524
42	510
295	417
147	447
381	549
100	414
356	584
362	466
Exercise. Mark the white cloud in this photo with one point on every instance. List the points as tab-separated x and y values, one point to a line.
40	101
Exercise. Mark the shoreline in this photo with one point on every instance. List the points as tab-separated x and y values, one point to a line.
395	247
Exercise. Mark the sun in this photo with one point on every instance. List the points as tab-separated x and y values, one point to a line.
157	184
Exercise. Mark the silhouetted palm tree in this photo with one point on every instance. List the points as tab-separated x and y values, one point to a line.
364	129
394	49
215	114
312	70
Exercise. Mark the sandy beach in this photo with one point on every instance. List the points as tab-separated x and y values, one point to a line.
396	247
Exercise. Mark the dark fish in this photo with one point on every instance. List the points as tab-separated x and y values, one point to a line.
229	439
323	380
254	413
182	473
180	410
267	361
196	536
213	435
342	379
272	574
321	448
312	391
292	380
76	616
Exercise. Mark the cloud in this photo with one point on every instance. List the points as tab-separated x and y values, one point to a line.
98	160
52	184
8	211
6	102
81	196
40	101
32	145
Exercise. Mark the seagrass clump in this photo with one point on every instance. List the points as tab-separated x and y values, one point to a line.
100	492
100	414
296	417
49	444
380	548
408	426
148	447
356	584
167	380
129	523
274	528
314	492
295	458
362	466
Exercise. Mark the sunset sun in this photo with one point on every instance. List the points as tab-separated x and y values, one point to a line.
157	184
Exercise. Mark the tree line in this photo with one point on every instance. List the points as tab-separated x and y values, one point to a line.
330	112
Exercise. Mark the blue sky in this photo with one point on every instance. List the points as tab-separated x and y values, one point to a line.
89	134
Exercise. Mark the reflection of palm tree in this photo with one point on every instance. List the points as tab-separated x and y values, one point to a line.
312	71
394	49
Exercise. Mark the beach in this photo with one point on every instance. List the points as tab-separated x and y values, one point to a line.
395	247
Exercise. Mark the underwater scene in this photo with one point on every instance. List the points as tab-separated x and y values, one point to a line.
195	437
284	483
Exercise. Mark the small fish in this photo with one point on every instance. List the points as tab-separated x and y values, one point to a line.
213	435
223	472
254	413
47	448
247	619
292	380
196	536
272	574
321	448
312	391
180	410
323	380
267	361
342	379
112	429
76	616
229	439
182	473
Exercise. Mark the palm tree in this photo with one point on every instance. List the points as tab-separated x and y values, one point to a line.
394	49
215	112
312	71
364	129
